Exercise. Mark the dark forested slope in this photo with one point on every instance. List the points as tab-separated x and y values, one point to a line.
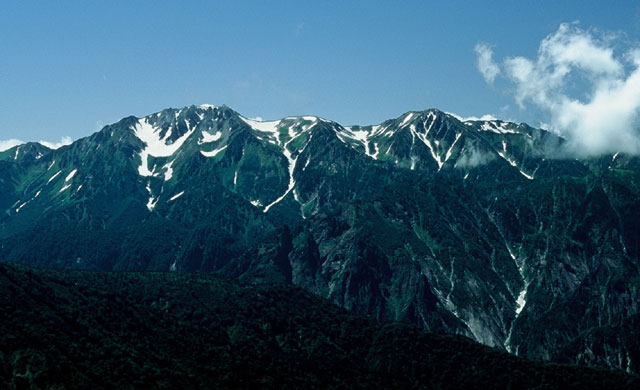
79	329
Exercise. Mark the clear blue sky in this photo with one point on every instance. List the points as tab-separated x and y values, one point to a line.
67	68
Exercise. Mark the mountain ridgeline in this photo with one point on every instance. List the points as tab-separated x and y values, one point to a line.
466	227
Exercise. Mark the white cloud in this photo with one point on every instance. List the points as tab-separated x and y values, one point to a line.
486	65
605	119
485	117
9	143
55	145
471	158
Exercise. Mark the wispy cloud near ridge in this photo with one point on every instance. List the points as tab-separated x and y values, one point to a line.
10	143
64	141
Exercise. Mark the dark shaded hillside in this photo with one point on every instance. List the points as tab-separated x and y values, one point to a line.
78	329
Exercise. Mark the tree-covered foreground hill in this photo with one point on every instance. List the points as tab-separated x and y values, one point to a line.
79	330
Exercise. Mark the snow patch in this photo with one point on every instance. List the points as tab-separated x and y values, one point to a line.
425	140
214	152
176	196
503	154
168	173
448	154
264	126
520	302
53	177
156	146
360	136
272	127
498	127
406	119
151	203
70	175
377	151
208	137
292	164
377	129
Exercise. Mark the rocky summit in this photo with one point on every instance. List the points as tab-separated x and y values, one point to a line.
482	228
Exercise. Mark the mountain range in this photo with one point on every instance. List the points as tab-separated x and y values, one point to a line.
482	228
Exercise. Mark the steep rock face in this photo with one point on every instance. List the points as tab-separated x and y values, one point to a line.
476	228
